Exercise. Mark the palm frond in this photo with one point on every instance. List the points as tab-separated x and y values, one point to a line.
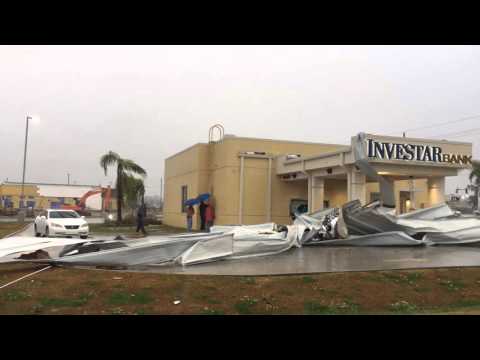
133	168
109	159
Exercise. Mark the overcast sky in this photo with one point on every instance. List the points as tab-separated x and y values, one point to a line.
149	102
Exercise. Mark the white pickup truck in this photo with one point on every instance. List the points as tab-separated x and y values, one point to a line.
54	222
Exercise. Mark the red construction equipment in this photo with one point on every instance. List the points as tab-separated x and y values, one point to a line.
81	205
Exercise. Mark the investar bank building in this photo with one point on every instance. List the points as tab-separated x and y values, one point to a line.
255	180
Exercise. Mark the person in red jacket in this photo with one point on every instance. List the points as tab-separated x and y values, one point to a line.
209	216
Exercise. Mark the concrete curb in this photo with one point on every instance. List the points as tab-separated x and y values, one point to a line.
18	231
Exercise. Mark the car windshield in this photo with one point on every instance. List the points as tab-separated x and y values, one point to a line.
63	214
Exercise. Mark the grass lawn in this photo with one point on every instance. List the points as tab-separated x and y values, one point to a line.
8	228
130	229
78	291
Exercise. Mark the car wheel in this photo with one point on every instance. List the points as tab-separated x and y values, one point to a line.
83	237
37	234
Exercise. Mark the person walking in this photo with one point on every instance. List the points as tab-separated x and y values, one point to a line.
190	213
209	216
202	208
141	214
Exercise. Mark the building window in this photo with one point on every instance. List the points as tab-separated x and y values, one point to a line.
184	198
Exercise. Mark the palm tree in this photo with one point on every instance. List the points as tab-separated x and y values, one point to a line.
125	167
134	190
475	179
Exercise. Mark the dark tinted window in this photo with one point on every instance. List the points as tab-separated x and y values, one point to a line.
184	198
63	215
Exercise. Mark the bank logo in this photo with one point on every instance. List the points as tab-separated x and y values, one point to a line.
412	152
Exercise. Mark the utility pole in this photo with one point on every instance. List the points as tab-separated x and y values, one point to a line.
21	213
68	177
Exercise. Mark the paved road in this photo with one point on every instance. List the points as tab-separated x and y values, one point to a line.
337	259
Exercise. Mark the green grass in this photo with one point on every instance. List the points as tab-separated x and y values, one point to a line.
117	311
410	278
308	279
348	307
315	308
413	277
403	307
15	295
466	303
63	302
126	298
206	298
422	289
130	229
247	280
211	312
8	228
245	306
143	311
453	285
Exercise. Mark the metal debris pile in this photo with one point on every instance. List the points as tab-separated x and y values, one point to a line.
351	225
375	225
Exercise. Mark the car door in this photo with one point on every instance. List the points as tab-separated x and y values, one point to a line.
43	222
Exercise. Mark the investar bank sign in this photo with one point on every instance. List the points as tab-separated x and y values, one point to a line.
413	152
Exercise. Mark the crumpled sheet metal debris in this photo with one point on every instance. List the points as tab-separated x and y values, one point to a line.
143	254
375	225
13	246
434	226
432	213
351	225
390	238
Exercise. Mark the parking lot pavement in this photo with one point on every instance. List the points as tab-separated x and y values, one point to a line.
337	259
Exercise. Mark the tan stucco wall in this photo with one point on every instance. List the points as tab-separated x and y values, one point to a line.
215	168
421	192
336	192
190	168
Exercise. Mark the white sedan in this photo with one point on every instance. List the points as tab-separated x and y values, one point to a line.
60	223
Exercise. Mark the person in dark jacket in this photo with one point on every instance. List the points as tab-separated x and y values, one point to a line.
209	216
202	208
141	215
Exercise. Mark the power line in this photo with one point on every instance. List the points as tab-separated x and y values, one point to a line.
458	133
439	124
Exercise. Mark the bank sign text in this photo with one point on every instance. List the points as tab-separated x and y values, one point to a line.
413	152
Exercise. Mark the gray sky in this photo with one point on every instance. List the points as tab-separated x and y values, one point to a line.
148	102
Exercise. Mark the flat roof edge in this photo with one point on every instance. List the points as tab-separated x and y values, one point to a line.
233	137
185	150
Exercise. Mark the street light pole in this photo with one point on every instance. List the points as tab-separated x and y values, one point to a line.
22	196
